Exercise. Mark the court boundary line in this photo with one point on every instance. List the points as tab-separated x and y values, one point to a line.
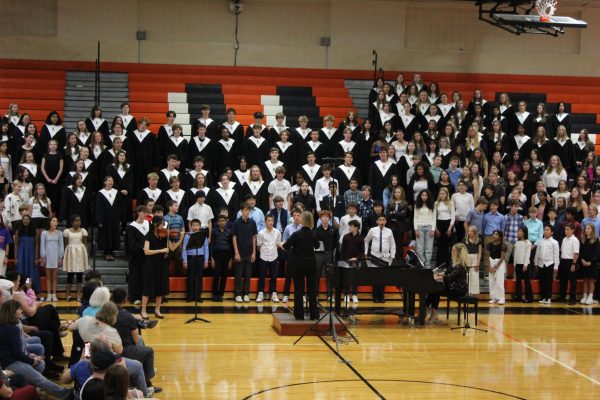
554	360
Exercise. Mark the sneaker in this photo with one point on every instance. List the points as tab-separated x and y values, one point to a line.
493	301
594	301
548	301
135	303
238	299
584	299
542	301
354	298
274	297
260	297
347	299
285	299
246	299
501	302
589	301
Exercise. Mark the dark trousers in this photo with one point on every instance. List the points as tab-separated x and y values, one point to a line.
143	354
195	271
566	277
459	229
433	299
443	242
243	271
46	318
46	339
322	260
263	267
222	259
378	292
305	274
546	280
523	276
288	279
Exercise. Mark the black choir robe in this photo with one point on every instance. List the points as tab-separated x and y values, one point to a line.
212	128
491	144
236	130
129	123
581	150
380	175
566	153
227	153
318	148
147	193
100	125
525	119
264	132
546	150
343	175
273	136
355	128
256	150
87	180
289	156
73	205
179	197
556	121
329	138
239	177
342	147
267	170
126	143
190	198
311	174
108	212
189	179
205	148
446	155
84	139
123	180
523	144
164	175
382	119
143	156
544	122
95	180
225	198
49	132
179	147
365	143
408	124
135	239
300	136
260	191
106	158
508	113
70	155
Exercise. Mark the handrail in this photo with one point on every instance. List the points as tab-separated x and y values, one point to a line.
374	63
381	73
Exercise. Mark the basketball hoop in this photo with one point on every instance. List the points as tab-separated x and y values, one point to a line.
546	9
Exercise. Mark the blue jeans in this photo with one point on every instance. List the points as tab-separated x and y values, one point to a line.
33	376
425	244
34	345
136	373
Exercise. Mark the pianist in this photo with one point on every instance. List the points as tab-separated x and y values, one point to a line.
454	279
383	247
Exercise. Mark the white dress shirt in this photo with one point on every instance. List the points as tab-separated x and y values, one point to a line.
267	241
522	252
547	253
202	213
463	203
382	242
569	247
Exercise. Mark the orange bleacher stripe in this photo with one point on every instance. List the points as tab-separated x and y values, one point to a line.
246	109
35	104
248	99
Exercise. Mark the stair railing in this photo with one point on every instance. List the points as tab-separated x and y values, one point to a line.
97	78
374	63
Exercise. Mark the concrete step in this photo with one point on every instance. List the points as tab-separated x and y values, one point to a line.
103	85
358	84
104	76
89	103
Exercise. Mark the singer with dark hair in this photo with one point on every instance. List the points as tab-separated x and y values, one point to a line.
301	249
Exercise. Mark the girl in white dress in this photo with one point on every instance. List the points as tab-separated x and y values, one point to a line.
76	255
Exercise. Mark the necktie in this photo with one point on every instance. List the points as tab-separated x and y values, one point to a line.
381	241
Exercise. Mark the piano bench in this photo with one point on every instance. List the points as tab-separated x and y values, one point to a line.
463	304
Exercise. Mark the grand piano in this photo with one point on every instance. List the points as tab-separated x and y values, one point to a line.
378	272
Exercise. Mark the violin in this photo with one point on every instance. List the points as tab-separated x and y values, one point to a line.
162	232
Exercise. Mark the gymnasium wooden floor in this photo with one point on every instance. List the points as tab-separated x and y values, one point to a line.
529	352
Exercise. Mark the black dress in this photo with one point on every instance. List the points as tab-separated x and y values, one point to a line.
155	272
136	236
589	252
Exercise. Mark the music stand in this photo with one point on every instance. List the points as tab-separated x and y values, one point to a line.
330	313
467	325
196	241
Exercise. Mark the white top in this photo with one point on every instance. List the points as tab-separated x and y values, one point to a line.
445	213
552	179
547	253
522	252
11	205
569	247
344	228
280	188
424	216
463	203
203	213
322	188
381	238
267	243
36	207
419	185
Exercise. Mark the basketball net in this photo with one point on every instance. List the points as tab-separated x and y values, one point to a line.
546	9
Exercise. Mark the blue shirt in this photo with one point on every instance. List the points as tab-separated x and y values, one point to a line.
595	222
90	311
258	216
475	218
200	251
535	230
175	222
493	222
244	232
454	176
289	230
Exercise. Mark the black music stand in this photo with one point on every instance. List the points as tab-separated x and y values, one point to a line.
330	314
467	325
196	241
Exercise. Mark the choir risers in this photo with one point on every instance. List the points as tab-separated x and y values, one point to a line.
272	110
174	97
269	100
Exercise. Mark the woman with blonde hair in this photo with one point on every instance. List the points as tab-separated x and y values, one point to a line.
301	252
474	250
445	217
454	280
554	174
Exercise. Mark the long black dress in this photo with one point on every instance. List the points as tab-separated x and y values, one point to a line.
123	180
53	189
136	236
143	157
155	270
76	204
108	212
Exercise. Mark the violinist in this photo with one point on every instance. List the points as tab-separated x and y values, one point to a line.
176	228
155	273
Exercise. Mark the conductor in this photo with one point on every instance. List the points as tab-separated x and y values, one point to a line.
301	251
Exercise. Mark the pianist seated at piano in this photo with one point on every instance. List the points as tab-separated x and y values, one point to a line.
454	279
